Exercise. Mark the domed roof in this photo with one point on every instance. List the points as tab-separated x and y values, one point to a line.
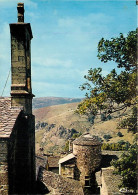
87	140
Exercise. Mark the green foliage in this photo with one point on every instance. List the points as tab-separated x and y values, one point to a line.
116	146
103	117
109	117
114	92
126	167
121	142
122	50
120	134
75	135
130	122
126	145
91	118
66	148
107	137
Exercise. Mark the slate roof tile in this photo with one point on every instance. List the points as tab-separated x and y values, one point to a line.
8	116
59	185
53	161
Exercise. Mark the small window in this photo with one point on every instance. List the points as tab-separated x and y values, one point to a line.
20	58
87	181
20	45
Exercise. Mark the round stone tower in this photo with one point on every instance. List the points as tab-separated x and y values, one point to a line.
87	149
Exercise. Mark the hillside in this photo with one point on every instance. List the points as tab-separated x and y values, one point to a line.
56	124
50	101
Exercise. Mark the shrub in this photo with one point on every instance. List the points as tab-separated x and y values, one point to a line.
103	117
126	166
66	148
121	142
116	146
107	137
120	134
109	117
91	118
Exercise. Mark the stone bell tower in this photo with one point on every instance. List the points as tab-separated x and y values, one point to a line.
22	139
21	35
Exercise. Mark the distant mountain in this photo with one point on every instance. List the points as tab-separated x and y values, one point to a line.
50	101
56	124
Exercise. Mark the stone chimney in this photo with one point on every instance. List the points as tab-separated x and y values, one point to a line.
20	8
21	35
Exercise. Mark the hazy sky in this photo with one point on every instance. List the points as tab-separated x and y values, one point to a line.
66	34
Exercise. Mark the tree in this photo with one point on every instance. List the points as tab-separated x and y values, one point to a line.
107	137
130	122
120	134
126	167
122	50
114	92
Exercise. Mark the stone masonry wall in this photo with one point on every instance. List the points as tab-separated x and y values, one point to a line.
4	186
88	159
21	156
68	168
104	190
21	92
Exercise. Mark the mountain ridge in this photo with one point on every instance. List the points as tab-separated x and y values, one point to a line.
41	102
55	124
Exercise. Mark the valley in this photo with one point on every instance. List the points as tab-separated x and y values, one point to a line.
56	124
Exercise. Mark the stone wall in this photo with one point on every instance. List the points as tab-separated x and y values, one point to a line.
88	159
68	169
104	190
21	91
110	182
21	156
4	186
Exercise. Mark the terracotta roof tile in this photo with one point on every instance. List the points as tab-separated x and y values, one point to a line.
8	116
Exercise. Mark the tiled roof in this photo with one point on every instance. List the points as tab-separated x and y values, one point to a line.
111	180
108	156
98	177
53	161
109	152
40	162
58	185
86	140
66	158
8	117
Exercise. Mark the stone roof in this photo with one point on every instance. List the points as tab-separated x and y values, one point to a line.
116	153
8	117
58	185
108	156
41	162
111	180
66	158
98	177
86	140
53	161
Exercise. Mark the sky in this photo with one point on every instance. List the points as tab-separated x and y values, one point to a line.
65	38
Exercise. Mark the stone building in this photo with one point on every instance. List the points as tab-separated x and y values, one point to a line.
91	167
53	164
17	123
110	182
83	162
58	185
18	174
